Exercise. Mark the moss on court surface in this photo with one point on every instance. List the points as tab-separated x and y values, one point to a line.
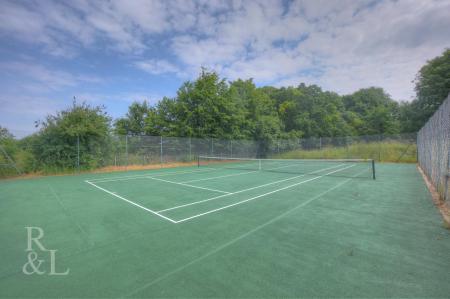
326	237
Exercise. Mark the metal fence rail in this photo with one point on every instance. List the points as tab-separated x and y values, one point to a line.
85	153
433	144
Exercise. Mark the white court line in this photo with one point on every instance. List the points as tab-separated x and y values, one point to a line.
131	202
192	186
233	241
236	174
146	176
248	189
221	176
255	197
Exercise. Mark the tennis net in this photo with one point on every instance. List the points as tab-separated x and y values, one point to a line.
354	168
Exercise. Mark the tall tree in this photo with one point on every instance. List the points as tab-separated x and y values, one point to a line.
432	88
374	112
203	108
307	111
134	121
256	113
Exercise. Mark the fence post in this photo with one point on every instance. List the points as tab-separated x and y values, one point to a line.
161	151
373	169
78	153
447	178
126	152
231	148
379	147
347	155
320	143
190	149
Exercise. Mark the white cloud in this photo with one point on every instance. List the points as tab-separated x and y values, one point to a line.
38	78
345	44
157	67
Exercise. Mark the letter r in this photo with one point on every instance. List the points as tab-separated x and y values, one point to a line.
34	239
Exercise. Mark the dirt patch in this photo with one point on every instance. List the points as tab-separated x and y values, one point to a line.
437	200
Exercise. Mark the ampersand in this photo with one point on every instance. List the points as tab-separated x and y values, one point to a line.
32	257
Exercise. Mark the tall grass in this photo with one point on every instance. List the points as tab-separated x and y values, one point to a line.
387	151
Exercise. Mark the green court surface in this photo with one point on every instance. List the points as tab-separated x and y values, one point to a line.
218	232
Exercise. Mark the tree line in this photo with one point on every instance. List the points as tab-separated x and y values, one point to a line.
212	107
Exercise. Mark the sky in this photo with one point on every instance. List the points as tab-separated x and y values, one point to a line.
115	52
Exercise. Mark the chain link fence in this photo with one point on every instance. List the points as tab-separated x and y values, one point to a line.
382	148
134	152
433	142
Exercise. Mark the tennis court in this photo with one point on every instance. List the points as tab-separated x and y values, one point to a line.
230	228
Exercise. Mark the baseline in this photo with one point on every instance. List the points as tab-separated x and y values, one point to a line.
131	202
146	176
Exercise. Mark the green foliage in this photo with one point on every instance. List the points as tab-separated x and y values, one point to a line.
202	107
386	151
432	88
9	149
211	107
308	111
433	83
371	111
5	134
134	122
55	146
256	114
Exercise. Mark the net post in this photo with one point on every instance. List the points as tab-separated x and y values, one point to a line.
373	169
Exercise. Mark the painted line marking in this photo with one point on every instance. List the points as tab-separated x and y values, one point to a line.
235	240
145	176
261	195
244	190
192	186
221	176
236	174
131	202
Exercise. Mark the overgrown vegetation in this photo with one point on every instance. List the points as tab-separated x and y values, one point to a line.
211	107
389	151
